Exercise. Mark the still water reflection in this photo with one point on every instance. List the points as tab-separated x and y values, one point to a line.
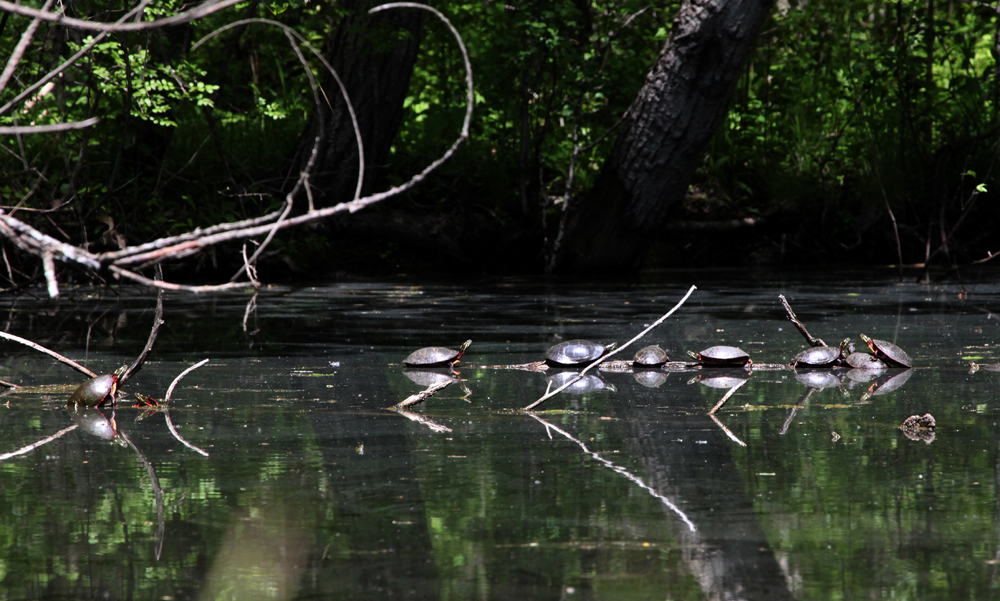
801	486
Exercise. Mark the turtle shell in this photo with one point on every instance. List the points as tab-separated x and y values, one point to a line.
864	361
575	352
722	356
95	391
817	356
436	356
888	352
650	356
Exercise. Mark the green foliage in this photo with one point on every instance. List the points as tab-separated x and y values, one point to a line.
841	107
841	103
543	69
156	86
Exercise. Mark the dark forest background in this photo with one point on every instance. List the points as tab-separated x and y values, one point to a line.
858	132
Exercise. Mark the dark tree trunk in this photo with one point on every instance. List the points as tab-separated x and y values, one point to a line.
665	134
374	56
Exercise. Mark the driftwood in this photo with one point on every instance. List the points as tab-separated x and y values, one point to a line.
424	394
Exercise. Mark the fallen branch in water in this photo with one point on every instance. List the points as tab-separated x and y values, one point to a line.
812	340
725	397
731	436
166	408
624	472
420	419
424	394
153	332
49	352
580	375
35	445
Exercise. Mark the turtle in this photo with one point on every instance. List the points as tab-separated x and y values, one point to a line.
650	356
722	356
888	352
96	391
817	356
865	361
576	352
436	356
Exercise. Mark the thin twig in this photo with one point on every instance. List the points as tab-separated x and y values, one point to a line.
731	436
184	17
423	395
157	322
420	419
582	373
22	45
48	129
170	390
726	396
624	472
166	408
49	352
34	242
154	481
812	340
37	444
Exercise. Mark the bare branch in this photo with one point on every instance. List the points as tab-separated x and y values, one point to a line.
35	445
22	45
50	353
170	390
55	72
33	241
48	129
157	322
57	18
424	394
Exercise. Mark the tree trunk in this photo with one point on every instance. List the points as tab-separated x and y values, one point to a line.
374	56
664	136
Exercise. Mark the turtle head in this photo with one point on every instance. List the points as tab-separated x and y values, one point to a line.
869	342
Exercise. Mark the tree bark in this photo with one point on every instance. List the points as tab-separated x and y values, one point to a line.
664	136
374	56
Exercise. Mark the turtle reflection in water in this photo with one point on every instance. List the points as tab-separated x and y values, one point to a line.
430	378
576	353
436	356
92	421
722	356
718	381
586	384
650	378
818	379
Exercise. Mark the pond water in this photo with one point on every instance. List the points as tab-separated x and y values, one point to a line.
296	481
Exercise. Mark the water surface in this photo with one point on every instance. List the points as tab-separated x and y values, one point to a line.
305	486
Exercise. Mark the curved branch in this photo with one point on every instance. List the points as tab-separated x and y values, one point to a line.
48	129
31	240
195	13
